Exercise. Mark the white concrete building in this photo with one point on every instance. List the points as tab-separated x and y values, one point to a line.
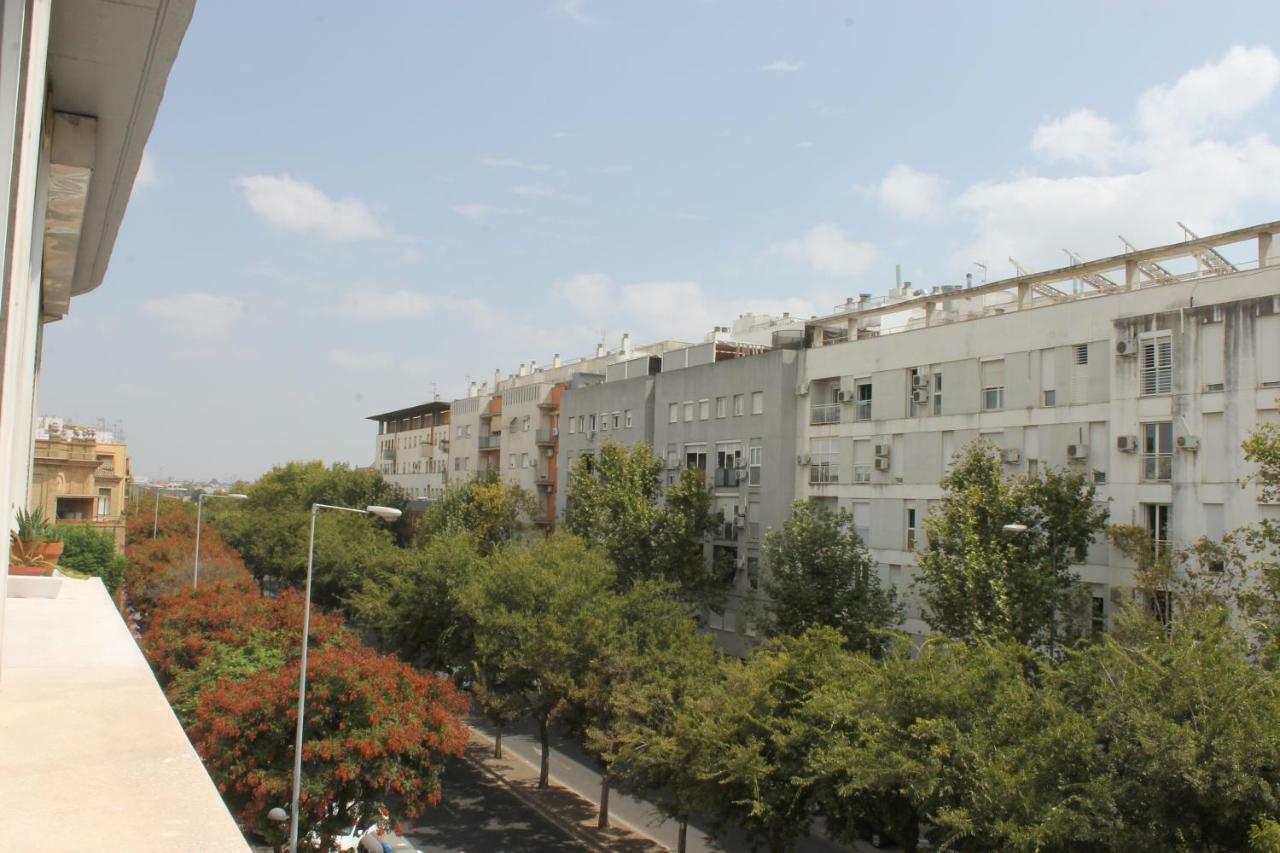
413	449
1146	369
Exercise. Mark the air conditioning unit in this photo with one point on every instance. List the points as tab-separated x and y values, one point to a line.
1127	443
802	389
1077	451
1187	442
920	395
882	463
843	396
1126	347
802	459
739	522
740	464
883	449
919	380
1011	455
861	475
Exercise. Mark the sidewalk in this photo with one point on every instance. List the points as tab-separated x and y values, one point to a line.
574	814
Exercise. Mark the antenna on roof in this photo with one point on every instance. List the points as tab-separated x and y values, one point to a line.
982	265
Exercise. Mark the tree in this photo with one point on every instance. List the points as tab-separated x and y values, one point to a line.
979	580
648	723
648	645
752	744
270	529
818	572
93	552
377	735
488	509
534	609
166	566
615	501
416	609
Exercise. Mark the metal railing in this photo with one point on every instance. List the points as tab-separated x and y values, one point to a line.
821	473
828	413
727	478
545	436
1157	467
490	442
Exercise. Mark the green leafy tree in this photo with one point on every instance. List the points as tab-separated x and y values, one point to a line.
415	608
818	572
616	501
979	580
535	610
648	641
489	510
93	552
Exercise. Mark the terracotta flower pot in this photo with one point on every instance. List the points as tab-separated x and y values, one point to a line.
31	571
51	551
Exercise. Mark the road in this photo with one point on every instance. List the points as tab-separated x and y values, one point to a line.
577	772
476	814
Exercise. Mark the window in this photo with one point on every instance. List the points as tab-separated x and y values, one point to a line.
937	393
104	502
695	456
992	385
1156	369
673	413
573	423
911	528
739	404
582	423
1098	614
862	411
604	421
1157	451
591	423
617	420
753	464
916	393
722	407
753	572
704	409
824	461
757	402
688	411
511	460
1081	353
524	460
525	423
1157	522
1050	398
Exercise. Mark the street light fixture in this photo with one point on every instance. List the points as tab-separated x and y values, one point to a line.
155	523
195	577
386	513
1015	528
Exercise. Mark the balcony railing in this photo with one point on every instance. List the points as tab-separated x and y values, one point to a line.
546	436
821	473
862	410
490	442
1157	467
828	413
727	478
389	453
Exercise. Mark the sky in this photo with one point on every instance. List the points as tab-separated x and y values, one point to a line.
348	208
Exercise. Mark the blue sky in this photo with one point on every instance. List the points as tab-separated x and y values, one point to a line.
343	210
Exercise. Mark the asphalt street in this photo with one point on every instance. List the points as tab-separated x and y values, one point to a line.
476	814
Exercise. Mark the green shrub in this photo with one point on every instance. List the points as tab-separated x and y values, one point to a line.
92	552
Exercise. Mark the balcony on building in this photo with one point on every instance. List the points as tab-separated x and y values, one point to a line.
546	437
824	413
490	441
727	478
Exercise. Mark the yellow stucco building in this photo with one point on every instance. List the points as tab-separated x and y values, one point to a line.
80	476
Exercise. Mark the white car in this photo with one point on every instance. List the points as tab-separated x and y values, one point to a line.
351	840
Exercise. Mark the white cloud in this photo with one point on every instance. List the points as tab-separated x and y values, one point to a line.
147	175
590	293
295	205
371	304
827	250
781	66
1079	137
573	9
486	211
1171	171
511	163
911	194
195	315
1203	98
541	190
351	360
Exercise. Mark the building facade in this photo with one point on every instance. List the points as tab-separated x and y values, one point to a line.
80	476
413	449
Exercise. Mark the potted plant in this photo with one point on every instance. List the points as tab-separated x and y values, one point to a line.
35	533
25	558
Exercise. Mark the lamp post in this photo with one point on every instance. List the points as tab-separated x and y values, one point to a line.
155	523
195	577
386	513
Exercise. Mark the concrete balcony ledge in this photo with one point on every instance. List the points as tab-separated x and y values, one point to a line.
90	750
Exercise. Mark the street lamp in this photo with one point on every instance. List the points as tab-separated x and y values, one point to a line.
1015	528
386	513
195	577
155	523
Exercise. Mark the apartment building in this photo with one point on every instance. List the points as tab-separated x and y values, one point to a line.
413	449
1145	370
80	476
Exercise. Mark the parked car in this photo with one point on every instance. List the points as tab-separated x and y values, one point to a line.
351	840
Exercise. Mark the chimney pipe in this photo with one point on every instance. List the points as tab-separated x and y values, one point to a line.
626	343
497	377
555	360
533	367
599	350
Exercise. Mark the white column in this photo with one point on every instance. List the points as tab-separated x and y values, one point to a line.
23	221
